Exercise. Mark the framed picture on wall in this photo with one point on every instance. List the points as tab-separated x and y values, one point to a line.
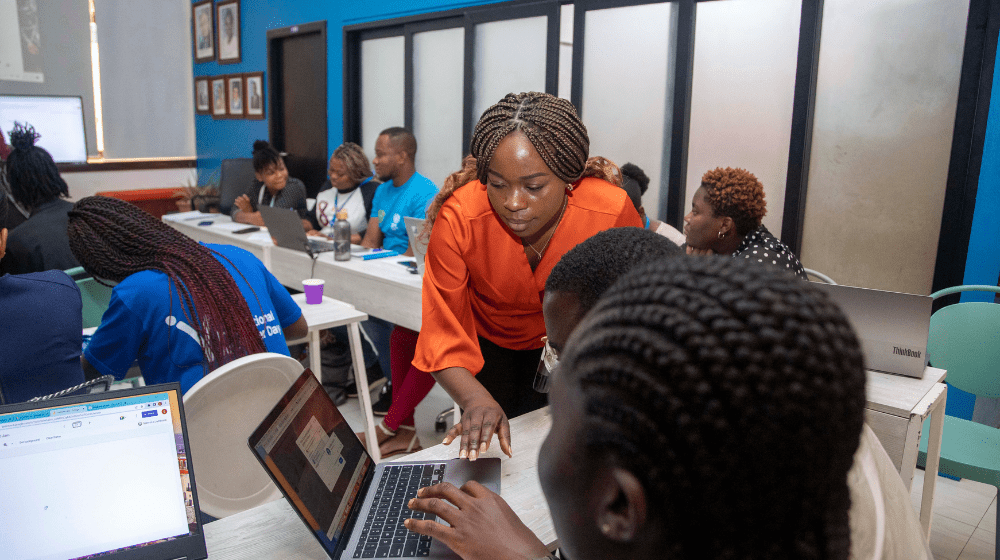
202	99
203	32
228	14
234	94
219	108
254	103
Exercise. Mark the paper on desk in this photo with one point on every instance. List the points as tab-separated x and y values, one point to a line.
184	216
260	237
230	226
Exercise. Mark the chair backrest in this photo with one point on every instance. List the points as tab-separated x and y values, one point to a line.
87	386
95	296
965	340
237	174
222	410
819	275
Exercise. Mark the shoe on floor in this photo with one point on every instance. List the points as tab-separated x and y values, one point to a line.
375	382
403	440
381	406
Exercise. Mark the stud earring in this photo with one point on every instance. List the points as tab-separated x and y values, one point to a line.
606	529
569	188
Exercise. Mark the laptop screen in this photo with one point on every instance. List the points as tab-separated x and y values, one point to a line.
94	478
312	452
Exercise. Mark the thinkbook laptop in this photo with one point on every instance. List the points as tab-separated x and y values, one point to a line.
354	507
892	327
285	227
104	476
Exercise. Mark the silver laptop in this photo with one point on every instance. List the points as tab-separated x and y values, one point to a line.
103	475
891	326
354	507
418	244
285	228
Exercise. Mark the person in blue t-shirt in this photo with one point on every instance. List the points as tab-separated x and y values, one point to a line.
182	309
404	192
41	332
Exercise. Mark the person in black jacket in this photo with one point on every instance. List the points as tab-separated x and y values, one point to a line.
40	243
272	187
351	188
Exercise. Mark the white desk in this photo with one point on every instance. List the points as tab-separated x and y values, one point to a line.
381	287
273	530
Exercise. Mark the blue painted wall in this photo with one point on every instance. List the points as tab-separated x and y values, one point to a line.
223	139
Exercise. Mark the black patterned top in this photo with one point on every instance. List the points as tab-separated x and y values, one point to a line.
762	247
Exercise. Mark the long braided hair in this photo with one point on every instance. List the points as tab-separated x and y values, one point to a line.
31	173
551	125
734	390
113	239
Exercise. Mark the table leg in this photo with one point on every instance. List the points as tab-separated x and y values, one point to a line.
364	396
315	355
933	460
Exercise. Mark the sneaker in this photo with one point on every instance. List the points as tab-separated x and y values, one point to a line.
381	406
375	382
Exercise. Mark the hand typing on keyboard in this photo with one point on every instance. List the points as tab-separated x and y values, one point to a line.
384	535
482	524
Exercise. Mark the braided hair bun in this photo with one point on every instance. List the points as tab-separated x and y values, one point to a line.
736	395
23	137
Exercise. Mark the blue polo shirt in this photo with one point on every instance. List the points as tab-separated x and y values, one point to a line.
392	203
41	331
146	321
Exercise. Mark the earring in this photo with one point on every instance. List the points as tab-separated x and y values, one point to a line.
721	235
569	188
606	529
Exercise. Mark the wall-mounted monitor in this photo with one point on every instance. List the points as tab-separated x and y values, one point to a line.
58	119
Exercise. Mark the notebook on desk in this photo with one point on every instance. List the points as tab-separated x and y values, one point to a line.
104	475
354	507
891	326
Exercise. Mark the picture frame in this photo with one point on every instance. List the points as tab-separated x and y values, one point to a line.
253	88
228	32
234	95
202	97
219	102
203	31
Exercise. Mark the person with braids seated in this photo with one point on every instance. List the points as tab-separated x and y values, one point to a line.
39	243
273	187
351	188
405	193
725	220
635	182
526	196
703	409
181	308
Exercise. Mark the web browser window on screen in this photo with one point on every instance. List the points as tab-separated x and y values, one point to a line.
85	479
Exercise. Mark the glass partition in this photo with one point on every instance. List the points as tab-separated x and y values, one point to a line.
438	73
382	95
509	58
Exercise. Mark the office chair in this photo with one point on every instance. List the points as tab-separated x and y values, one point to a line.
236	176
964	339
822	277
95	296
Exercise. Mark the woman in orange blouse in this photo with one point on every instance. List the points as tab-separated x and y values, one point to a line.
533	196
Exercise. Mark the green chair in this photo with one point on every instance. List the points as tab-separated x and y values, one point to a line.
95	296
964	339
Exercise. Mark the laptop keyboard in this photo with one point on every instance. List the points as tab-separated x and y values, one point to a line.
321	246
384	535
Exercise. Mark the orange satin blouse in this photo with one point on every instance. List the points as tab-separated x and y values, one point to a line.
477	280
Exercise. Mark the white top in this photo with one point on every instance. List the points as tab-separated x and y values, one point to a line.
329	201
671	233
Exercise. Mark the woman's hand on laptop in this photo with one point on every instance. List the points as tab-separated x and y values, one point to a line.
483	526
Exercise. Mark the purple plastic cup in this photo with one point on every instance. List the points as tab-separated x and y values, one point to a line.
314	291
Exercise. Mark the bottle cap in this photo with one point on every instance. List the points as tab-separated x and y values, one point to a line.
342	215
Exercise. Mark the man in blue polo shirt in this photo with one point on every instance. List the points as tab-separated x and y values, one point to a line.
404	192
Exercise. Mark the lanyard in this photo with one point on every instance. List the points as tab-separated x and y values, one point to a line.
260	197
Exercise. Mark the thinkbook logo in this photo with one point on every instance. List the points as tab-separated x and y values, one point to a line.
905	352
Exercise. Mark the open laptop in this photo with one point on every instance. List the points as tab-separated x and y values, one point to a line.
414	229
104	475
354	507
285	227
891	326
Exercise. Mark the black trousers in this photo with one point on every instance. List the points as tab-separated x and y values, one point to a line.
509	375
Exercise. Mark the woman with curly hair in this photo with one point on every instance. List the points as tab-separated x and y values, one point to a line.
725	220
529	195
703	409
351	188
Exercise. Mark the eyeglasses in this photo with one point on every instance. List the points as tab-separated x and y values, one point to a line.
546	367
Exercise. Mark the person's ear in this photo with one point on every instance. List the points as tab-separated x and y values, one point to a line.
258	176
621	505
728	226
3	242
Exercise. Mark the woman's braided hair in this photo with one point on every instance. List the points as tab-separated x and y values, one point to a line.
32	175
113	239
355	161
736	395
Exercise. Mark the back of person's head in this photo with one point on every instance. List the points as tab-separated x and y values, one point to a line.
403	139
32	176
734	395
736	193
635	173
355	161
591	267
264	156
113	239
